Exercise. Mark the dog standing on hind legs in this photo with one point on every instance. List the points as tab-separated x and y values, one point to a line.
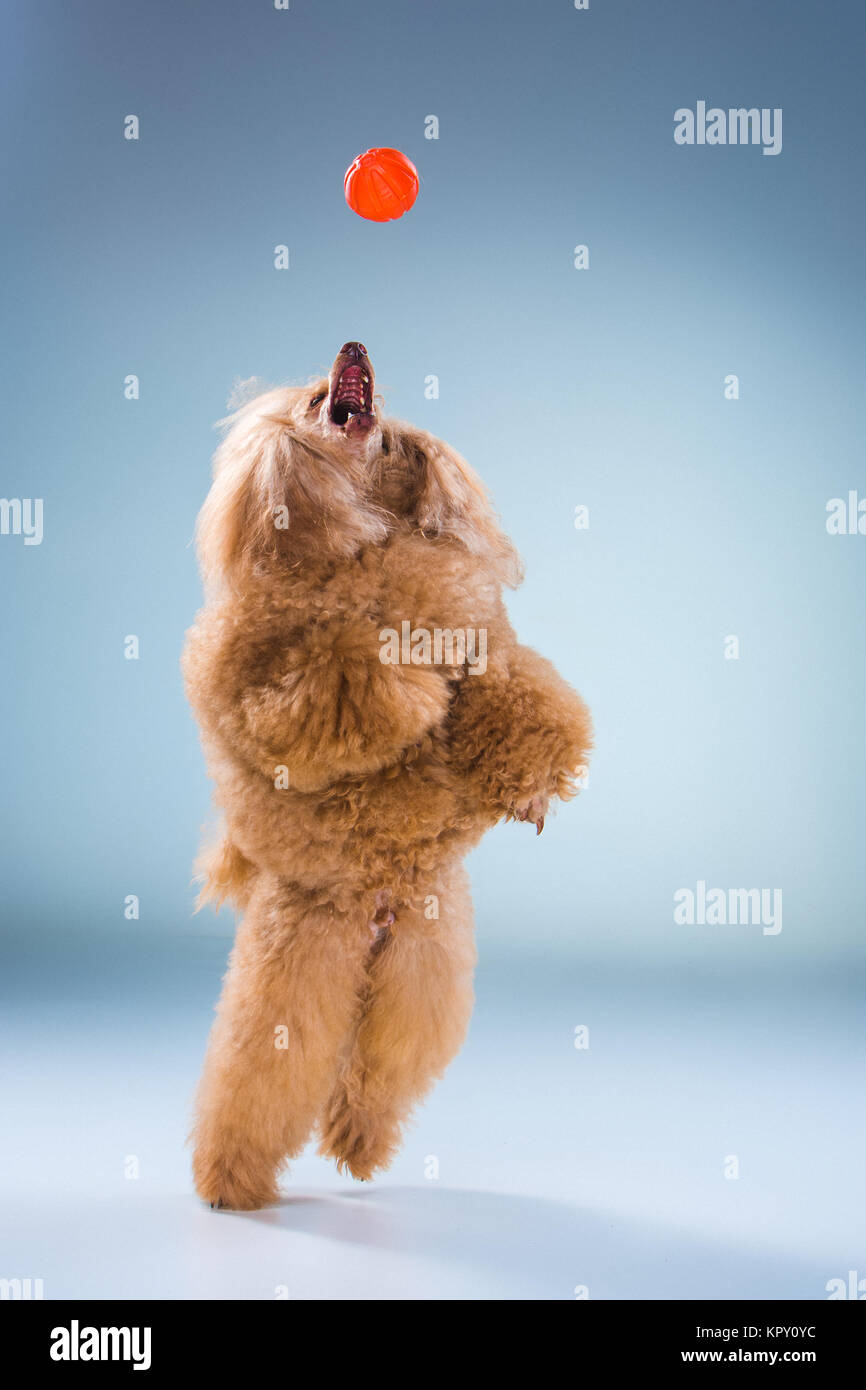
366	713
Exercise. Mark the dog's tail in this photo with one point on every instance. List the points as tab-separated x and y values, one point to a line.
225	874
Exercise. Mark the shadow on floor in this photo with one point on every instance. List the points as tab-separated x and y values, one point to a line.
530	1247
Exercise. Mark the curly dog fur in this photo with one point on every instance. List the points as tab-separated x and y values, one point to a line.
351	788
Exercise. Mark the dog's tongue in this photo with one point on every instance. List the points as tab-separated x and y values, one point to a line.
359	424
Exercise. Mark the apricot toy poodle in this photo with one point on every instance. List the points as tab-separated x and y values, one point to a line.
366	713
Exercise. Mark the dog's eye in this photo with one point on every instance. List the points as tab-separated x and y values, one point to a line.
317	400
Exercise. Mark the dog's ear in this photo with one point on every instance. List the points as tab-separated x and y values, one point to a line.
452	501
279	494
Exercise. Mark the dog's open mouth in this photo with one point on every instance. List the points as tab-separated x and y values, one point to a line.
350	400
352	394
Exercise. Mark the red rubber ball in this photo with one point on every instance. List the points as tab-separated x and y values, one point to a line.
381	184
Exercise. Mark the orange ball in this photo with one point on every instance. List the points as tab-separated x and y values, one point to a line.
381	184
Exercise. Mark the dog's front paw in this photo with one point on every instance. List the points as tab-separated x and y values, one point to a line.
532	809
533	802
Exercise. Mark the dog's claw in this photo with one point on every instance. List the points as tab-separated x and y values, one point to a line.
532	813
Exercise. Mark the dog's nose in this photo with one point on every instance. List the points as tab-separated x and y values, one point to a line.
353	350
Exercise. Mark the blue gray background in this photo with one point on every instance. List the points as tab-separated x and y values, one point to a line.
601	387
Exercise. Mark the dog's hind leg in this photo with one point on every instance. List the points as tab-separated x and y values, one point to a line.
290	1000
416	1013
